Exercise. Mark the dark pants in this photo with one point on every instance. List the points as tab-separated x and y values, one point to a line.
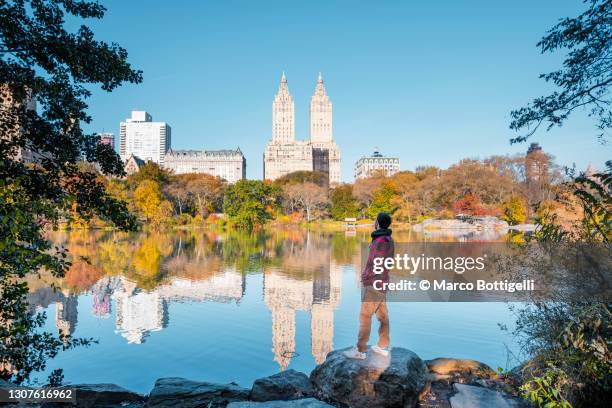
373	302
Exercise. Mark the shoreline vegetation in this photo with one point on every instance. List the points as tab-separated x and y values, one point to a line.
495	188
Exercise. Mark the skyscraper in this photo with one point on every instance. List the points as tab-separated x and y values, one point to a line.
143	138
283	115
284	154
326	155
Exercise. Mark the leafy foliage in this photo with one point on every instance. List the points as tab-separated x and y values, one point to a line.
300	177
586	75
42	62
567	339
382	200
514	210
249	203
343	204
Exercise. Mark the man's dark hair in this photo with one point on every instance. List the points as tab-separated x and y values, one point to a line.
384	220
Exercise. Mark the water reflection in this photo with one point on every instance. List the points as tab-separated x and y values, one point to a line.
141	275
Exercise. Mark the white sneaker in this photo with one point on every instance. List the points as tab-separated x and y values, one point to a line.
385	352
354	353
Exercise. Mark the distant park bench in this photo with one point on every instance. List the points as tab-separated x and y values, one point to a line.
350	222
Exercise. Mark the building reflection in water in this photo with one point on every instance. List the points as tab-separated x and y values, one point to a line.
308	280
144	275
66	314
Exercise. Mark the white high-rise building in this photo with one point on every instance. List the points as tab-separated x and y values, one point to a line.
143	138
284	154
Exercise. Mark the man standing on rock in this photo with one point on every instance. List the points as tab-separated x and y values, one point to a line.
375	301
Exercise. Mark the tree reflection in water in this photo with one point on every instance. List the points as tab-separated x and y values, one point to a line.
143	273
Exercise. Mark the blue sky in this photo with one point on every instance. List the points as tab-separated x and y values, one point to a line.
429	82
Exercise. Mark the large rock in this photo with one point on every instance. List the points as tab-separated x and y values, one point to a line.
299	403
104	396
377	381
467	223
286	385
179	392
470	396
447	366
91	395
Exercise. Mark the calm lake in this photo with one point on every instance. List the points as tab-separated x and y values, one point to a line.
234	306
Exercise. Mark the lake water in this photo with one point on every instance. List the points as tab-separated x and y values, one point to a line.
234	306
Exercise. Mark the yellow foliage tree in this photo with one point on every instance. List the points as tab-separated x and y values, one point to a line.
514	210
150	203
148	198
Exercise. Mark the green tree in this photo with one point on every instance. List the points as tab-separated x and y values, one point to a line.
343	204
249	203
586	75
41	60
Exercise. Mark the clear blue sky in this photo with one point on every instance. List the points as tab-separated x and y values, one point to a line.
430	83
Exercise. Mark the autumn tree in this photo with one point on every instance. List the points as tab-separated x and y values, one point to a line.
514	211
297	177
364	188
471	176
149	171
151	204
206	192
468	205
308	196
383	200
176	189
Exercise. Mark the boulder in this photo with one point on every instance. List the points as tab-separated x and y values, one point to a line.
470	396
104	396
91	395
180	392
286	385
299	403
378	381
449	366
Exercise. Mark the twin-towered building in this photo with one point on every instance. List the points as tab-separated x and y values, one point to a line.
143	140
284	154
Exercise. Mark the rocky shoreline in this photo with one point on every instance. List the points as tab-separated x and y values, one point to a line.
471	224
399	380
